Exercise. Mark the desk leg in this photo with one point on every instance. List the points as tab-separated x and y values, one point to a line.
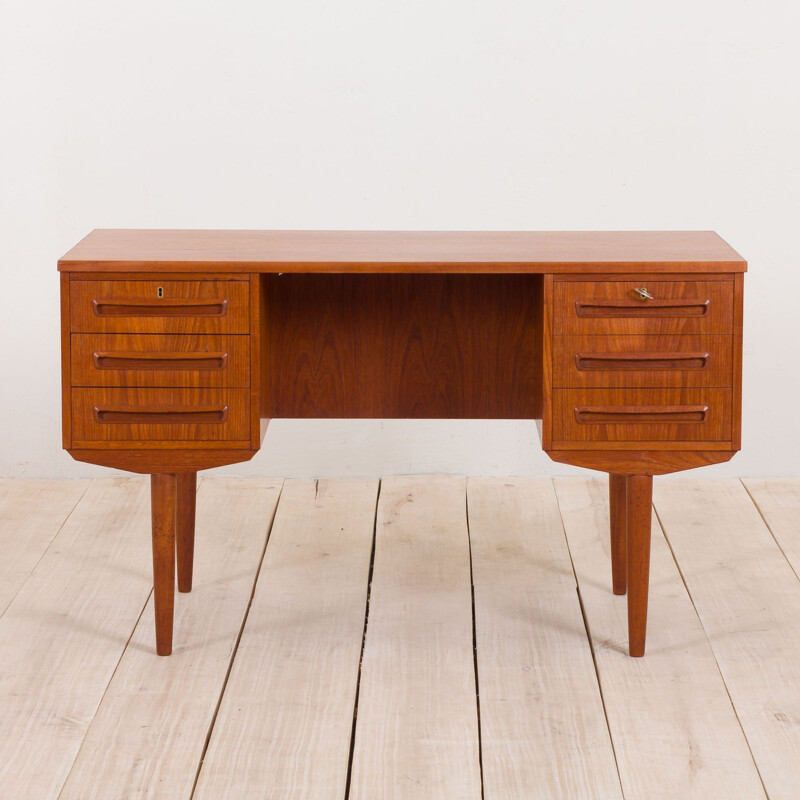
618	500
640	509
163	495
184	533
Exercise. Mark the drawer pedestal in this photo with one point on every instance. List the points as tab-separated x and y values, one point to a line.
645	379
162	377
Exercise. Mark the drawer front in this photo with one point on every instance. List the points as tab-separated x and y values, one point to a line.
615	307
667	418
153	306
639	361
142	418
190	360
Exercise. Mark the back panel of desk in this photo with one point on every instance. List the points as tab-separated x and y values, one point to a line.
404	346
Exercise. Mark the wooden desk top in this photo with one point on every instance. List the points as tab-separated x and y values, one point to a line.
401	251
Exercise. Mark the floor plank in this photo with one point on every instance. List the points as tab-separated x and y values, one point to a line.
778	501
285	722
748	598
31	514
674	730
543	729
148	736
417	728
62	636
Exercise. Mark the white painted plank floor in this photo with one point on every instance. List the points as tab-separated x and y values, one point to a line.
416	638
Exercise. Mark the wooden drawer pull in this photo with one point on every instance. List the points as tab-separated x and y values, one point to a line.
586	362
165	416
653	308
610	415
171	361
164	308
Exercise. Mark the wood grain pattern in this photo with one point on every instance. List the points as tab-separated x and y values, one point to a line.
405	346
651	413
284	725
148	736
185	518
66	376
642	276
166	460
417	726
543	728
65	631
402	251
749	604
612	307
674	730
163	497
546	425
640	362
103	274
639	512
110	417
641	462
738	327
31	514
618	525
258	341
134	306
265	354
154	360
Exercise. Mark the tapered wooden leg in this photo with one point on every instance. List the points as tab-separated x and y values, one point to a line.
184	533
617	501
163	495
640	505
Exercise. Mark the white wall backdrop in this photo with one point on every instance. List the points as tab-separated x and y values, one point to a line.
429	114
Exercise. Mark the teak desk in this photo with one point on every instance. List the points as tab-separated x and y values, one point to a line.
178	346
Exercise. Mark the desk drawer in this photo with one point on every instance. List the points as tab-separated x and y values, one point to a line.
144	418
615	307
153	306
189	360
665	417
638	361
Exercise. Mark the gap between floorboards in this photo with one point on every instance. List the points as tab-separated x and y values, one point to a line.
363	645
236	643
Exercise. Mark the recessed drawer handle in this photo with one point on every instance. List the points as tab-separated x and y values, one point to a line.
160	416
173	361
654	308
164	308
587	362
604	415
